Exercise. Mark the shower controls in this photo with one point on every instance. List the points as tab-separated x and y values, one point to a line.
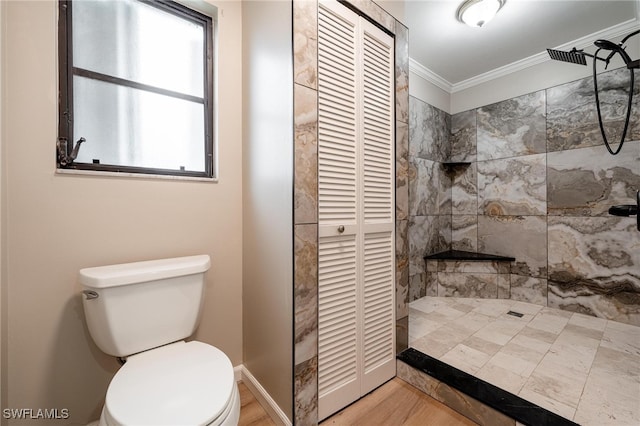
623	210
628	210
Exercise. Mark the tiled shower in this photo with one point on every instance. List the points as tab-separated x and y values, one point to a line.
537	187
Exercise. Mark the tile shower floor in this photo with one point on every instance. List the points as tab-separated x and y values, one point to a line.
583	368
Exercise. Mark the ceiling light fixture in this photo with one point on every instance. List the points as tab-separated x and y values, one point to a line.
477	13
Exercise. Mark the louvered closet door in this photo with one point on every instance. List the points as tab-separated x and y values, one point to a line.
338	274
378	206
356	207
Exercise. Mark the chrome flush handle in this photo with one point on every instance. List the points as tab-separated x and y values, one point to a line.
90	294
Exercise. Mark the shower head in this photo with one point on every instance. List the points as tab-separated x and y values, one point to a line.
606	45
574	56
615	48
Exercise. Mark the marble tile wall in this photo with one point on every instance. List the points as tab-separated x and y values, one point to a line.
305	73
483	280
305	208
594	263
538	188
572	120
430	227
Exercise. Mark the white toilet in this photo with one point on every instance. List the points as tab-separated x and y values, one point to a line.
142	312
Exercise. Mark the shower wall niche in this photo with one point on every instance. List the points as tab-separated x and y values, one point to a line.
537	187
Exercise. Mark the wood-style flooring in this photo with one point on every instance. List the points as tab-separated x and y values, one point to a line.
396	403
251	412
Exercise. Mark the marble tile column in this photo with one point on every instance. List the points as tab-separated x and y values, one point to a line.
305	357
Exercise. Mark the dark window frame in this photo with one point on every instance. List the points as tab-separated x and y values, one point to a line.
65	99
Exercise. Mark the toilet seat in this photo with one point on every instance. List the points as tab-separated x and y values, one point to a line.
178	384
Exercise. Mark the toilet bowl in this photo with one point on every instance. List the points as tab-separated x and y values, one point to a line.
181	383
142	312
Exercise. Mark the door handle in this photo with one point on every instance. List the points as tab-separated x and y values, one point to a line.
340	229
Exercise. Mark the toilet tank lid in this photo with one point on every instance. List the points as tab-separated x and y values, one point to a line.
137	272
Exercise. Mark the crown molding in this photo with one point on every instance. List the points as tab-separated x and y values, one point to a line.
425	73
618	30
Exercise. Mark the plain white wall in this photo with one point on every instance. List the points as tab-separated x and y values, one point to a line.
57	224
428	92
268	197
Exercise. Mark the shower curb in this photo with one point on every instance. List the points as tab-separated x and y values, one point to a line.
505	403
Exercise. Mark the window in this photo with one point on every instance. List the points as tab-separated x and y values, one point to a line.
136	84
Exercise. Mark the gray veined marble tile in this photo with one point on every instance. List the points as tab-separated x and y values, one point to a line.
402	170
427	235
431	283
305	43
464	232
572	120
594	266
463	136
522	237
429	188
504	286
503	378
306	392
306	155
429	129
464	190
513	127
606	398
465	358
305	292
467	266
402	268
529	289
417	287
587	181
484	286
402	73
513	186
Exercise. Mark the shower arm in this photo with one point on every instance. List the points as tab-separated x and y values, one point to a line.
582	52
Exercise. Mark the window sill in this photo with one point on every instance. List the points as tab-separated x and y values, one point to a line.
133	175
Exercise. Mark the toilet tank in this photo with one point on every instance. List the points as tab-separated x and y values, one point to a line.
132	307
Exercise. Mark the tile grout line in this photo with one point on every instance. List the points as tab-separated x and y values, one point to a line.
584	387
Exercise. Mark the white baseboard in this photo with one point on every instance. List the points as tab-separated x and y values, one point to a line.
263	397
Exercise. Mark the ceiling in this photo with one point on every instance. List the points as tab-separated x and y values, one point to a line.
454	54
